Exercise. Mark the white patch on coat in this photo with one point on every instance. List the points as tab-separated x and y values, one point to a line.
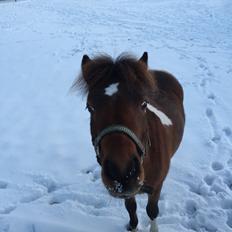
111	89
165	120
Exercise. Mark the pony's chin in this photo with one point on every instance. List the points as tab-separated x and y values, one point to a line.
123	195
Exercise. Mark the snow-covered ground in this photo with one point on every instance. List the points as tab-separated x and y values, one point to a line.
49	179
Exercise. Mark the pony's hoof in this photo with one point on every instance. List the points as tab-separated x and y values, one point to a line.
154	226
130	228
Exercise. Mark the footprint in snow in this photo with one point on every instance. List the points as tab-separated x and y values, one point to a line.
92	200
215	184
209	112
229	163
217	166
229	219
212	97
228	133
198	188
3	184
8	209
94	172
46	181
4	227
227	204
97	205
191	207
209	179
32	196
227	178
213	122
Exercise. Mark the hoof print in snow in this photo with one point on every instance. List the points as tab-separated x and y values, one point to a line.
229	163
62	197
31	198
217	166
216	139
93	172
191	207
229	219
49	183
3	184
226	204
199	188
228	131
54	202
8	209
209	179
209	112
4	227
211	97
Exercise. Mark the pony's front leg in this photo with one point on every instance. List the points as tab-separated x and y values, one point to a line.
153	210
131	208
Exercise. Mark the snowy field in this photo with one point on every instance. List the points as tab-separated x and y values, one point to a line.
49	178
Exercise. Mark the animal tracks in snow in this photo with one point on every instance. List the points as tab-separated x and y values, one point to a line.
93	172
47	182
7	209
211	196
81	198
212	97
87	200
4	227
216	137
217	166
212	193
229	219
40	186
206	75
3	184
45	189
228	133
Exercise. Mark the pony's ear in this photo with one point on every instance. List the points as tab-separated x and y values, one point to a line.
144	58
85	60
84	63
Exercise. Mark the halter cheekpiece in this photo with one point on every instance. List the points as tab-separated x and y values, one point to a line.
119	129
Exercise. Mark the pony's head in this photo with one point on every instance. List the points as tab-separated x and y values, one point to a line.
117	95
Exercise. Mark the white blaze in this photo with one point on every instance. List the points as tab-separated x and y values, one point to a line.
165	120
111	89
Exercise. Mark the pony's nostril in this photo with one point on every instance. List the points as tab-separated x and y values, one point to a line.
111	170
133	168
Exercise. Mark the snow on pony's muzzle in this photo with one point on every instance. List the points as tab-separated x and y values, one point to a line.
120	191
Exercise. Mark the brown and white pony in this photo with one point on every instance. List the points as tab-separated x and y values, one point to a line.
137	123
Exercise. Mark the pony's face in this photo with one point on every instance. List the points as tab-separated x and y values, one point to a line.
122	172
113	102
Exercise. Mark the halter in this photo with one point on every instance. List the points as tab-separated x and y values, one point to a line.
122	129
119	129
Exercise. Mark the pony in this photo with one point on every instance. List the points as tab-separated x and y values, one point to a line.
137	122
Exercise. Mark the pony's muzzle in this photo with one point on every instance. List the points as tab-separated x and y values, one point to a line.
123	183
124	194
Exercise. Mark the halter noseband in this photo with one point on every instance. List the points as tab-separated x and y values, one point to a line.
119	129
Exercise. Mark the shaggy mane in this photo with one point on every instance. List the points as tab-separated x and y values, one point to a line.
103	70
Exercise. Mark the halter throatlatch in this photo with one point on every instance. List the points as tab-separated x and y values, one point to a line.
119	129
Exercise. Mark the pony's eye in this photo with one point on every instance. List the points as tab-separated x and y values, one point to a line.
90	108
144	106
